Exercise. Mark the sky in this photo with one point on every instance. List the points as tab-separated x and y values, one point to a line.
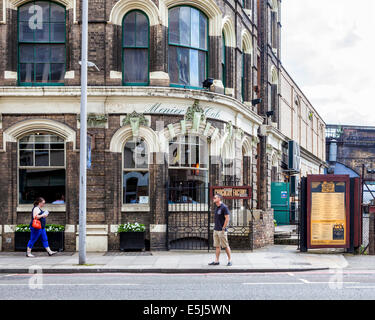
328	48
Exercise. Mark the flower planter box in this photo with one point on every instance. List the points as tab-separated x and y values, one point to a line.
132	241
55	241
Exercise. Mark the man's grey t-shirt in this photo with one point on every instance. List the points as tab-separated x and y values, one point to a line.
220	213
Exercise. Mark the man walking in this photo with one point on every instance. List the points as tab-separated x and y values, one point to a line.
220	232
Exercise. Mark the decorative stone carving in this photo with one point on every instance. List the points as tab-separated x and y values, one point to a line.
229	130
135	120
95	120
194	112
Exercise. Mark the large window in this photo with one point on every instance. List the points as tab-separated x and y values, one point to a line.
41	168
243	83
136	173
188	168
41	44
188	34
135	49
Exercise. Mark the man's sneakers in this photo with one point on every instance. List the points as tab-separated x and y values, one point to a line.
229	264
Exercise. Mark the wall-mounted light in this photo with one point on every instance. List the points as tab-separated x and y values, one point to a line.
256	101
208	83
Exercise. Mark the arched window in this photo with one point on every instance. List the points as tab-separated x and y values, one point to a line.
243	83
41	167
274	26
136	172
135	49
41	44
223	62
188	47
188	167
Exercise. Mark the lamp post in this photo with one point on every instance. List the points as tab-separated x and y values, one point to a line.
83	138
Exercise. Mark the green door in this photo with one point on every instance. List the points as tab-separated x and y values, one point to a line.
280	202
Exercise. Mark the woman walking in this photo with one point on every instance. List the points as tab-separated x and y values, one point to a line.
38	214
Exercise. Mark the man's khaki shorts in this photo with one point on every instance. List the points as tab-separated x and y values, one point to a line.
221	239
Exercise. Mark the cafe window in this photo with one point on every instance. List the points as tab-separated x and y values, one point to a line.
188	169
136	172
188	47
41	168
135	49
41	44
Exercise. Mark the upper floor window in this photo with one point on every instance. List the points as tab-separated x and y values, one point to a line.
274	25
188	47
41	44
243	83
135	49
223	62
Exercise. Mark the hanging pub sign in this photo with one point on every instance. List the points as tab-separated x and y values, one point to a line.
232	193
328	211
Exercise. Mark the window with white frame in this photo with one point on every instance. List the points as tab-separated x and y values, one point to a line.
41	168
188	169
136	172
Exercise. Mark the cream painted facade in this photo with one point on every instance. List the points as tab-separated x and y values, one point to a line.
299	121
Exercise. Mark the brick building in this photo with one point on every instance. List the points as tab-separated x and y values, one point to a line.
150	121
350	150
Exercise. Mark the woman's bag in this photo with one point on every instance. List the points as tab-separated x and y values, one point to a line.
36	224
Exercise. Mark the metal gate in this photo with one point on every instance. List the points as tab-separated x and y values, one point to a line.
190	219
368	198
188	216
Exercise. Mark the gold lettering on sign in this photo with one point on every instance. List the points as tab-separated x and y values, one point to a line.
240	192
231	192
328	187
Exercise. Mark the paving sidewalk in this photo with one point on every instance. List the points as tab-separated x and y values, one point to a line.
270	259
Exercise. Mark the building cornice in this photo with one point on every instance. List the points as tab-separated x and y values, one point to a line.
99	93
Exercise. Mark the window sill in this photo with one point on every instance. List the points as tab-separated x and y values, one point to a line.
36	84
49	207
135	208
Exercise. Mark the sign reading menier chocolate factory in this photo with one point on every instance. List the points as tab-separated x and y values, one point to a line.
165	109
230	193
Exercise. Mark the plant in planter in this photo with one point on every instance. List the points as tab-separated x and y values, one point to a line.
55	234
132	236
